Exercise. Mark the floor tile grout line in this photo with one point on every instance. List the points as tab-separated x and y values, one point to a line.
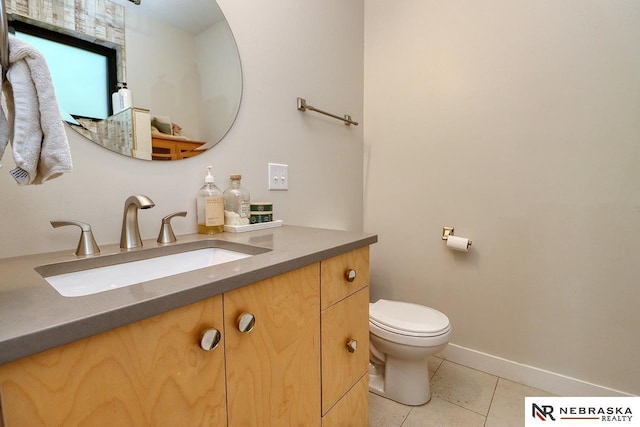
438	368
406	418
462	407
493	375
477	370
493	396
468	367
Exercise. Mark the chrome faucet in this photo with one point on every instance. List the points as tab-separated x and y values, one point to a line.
130	236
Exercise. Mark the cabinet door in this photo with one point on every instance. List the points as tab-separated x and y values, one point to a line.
149	373
342	366
336	283
273	371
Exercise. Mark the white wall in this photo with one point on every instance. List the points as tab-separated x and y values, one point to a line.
170	85
519	124
288	48
220	74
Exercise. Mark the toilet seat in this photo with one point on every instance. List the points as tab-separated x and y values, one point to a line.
408	319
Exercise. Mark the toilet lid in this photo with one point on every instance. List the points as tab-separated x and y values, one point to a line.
408	318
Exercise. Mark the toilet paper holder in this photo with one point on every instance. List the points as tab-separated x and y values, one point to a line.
448	231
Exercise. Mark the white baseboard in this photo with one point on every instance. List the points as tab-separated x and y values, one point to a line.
528	375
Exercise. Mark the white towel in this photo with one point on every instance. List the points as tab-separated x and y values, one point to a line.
35	128
4	130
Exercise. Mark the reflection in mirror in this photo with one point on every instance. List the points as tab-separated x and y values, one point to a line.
179	61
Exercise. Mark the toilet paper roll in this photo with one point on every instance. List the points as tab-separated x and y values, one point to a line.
456	243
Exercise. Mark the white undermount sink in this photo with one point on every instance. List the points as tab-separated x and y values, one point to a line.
94	279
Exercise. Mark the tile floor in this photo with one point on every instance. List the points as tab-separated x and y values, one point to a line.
460	396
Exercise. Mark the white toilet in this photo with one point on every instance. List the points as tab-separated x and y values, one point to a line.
401	337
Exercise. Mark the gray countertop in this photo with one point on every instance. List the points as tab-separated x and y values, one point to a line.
34	317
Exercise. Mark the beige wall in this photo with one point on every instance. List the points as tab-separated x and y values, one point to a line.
287	50
519	124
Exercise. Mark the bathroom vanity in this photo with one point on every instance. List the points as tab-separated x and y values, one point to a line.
278	338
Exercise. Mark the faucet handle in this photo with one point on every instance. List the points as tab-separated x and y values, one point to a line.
87	244
166	232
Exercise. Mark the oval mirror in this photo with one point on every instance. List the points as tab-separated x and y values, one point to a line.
181	67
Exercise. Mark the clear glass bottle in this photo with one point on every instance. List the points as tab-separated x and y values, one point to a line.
237	203
210	207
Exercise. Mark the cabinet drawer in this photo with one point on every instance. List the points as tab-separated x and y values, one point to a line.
334	275
353	409
341	369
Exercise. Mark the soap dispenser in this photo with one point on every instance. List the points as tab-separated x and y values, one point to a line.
210	207
122	98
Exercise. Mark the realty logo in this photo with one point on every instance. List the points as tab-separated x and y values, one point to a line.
623	411
542	412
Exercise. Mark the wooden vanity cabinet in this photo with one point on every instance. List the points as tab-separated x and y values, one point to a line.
293	368
273	371
345	321
148	373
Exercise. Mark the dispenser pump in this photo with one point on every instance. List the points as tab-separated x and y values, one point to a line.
209	178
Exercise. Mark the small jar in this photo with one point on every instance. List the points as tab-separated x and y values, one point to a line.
237	203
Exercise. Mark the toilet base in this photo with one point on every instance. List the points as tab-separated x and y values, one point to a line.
410	384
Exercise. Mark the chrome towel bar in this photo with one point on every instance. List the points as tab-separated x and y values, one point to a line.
303	106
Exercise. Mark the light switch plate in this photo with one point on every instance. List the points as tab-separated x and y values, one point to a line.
278	176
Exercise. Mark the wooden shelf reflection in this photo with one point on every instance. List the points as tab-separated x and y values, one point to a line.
169	147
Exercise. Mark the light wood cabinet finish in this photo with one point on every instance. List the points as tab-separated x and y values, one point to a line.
353	409
273	372
335	286
345	317
341	369
148	373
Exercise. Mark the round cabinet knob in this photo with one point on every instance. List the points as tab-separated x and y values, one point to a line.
246	322
210	339
350	275
352	345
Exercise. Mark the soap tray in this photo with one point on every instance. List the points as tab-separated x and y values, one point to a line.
253	227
